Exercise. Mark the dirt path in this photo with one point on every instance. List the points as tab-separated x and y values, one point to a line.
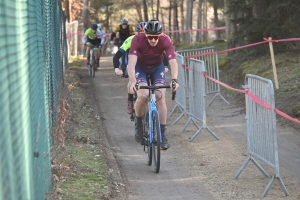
201	169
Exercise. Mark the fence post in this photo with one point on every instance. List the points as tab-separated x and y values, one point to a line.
273	63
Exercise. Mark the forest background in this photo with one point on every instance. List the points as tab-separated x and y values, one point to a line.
237	22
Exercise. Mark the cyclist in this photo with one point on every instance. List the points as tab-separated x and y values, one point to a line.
96	38
124	29
145	58
124	49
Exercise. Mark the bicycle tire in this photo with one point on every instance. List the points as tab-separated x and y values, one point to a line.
93	65
156	145
147	147
90	70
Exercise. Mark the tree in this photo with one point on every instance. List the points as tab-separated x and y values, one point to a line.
199	20
145	10
189	18
85	14
175	22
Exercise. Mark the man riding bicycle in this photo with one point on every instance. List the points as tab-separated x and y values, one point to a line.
95	37
124	29
122	50
145	59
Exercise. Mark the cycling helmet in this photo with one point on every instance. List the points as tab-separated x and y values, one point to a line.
94	26
99	26
140	27
124	21
153	27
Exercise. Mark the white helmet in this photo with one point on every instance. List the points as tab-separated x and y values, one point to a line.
99	26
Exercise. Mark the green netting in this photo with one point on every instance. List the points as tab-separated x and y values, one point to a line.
32	64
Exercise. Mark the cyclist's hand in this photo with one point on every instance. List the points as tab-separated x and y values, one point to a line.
132	88
111	42
118	72
174	85
166	69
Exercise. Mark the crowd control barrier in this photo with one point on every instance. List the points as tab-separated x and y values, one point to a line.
180	99
197	107
210	57
261	129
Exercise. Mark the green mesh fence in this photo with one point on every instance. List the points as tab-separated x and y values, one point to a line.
33	59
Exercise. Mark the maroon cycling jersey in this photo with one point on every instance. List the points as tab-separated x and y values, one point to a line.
149	56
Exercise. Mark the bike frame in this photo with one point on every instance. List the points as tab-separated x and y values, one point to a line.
152	107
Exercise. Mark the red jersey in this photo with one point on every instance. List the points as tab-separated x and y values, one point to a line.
149	56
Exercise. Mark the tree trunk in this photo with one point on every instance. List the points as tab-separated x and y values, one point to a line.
182	19
170	17
85	14
189	17
157	9
175	22
199	21
145	11
227	19
216	20
107	17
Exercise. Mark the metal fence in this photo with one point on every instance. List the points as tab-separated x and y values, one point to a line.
197	107
32	64
210	57
180	100
261	129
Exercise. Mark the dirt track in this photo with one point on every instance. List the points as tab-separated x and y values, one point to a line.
201	169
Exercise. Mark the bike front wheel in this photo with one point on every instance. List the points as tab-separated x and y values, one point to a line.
147	146
156	141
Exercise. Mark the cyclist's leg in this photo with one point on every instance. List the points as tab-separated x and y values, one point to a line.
129	108
158	78
87	53
140	104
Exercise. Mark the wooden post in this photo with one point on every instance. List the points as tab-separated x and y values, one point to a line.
273	64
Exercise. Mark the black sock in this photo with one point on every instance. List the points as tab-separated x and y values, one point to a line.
139	121
130	97
163	128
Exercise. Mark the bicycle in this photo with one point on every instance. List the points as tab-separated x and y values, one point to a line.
92	64
151	127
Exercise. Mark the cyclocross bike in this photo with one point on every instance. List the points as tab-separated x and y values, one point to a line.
92	65
151	127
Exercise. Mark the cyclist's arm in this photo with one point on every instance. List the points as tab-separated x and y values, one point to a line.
113	35
166	61
174	74
174	68
132	59
116	58
84	39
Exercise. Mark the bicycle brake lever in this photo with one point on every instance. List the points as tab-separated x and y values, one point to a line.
173	93
136	85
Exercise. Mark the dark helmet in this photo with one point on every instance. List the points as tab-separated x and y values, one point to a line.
124	21
94	26
153	27
140	27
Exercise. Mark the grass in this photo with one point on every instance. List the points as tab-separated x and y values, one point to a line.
85	175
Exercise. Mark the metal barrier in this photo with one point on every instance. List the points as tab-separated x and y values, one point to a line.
180	99
197	107
261	129
210	58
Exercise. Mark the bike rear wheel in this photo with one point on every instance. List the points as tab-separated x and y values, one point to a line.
156	138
